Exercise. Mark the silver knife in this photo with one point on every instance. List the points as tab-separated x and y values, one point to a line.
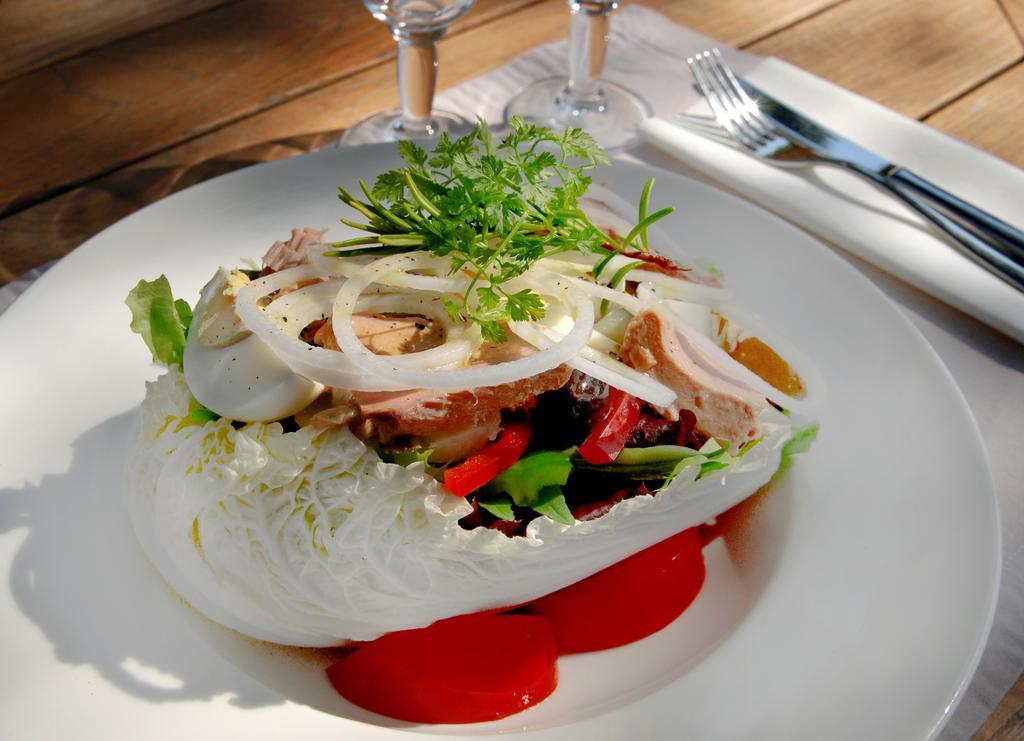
996	244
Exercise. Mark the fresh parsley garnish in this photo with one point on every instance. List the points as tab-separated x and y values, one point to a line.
495	208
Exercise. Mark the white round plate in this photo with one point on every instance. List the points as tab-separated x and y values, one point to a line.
852	600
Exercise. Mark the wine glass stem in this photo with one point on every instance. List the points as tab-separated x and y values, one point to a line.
417	79
588	40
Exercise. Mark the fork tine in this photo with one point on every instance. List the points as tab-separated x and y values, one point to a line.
706	126
747	105
709	95
720	105
740	112
737	123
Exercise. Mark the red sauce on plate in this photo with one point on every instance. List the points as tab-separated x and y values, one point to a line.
486	666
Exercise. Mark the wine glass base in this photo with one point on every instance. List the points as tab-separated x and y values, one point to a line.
610	118
387	127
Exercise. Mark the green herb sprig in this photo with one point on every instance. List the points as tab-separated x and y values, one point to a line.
495	208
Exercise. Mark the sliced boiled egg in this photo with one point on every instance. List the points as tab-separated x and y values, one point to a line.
232	371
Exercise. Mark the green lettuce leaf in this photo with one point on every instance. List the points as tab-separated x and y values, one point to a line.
526	478
500	507
800	443
801	440
160	320
552	505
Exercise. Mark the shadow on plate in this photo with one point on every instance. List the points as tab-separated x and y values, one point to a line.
80	576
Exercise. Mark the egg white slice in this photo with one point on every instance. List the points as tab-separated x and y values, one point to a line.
242	380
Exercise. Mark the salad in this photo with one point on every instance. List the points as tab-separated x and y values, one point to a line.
494	411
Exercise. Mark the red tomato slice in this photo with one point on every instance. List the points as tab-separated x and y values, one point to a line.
463	670
627	601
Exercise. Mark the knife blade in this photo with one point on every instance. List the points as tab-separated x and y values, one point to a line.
815	137
977	230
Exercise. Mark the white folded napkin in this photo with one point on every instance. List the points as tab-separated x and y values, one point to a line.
846	210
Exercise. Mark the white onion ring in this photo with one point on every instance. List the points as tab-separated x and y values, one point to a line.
684	290
324	366
423	282
468	377
621	298
681	290
604	368
358	368
314	302
349	266
316	363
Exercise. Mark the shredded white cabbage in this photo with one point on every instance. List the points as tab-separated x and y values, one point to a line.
308	538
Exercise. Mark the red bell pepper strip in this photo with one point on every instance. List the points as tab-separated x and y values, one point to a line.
612	428
485	464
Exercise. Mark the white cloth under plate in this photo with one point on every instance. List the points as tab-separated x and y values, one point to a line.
19	285
648	53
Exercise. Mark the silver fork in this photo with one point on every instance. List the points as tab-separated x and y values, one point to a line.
981	236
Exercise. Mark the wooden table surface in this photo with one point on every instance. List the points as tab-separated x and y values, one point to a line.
111	106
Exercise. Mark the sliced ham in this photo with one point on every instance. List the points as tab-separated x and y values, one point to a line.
723	410
294	252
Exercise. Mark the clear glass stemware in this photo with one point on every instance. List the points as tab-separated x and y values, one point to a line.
607	111
417	26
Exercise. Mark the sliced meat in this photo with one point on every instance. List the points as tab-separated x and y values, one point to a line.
333	408
322	335
294	252
723	410
459	444
385	333
397	334
453	423
434	412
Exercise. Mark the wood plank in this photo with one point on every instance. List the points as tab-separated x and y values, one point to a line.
740	23
1007	721
52	228
96	113
934	50
989	117
37	33
1014	9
